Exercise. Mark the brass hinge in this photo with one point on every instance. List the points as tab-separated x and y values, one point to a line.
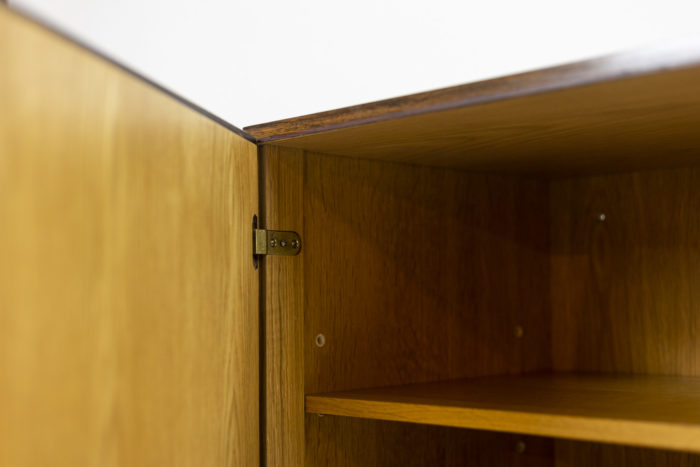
276	242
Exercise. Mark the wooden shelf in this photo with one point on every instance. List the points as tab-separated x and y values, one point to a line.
652	411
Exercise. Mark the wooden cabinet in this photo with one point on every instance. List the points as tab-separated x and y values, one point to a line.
501	273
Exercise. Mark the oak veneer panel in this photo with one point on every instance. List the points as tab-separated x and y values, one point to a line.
415	274
389	444
625	294
653	411
579	454
128	297
418	274
614	124
282	193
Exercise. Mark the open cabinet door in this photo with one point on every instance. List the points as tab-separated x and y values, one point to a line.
128	295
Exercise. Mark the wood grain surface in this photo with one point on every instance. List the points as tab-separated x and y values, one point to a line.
625	295
415	274
624	289
575	454
395	275
654	411
638	122
383	443
634	63
128	298
282	192
32	15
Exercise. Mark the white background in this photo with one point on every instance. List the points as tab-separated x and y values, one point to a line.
253	62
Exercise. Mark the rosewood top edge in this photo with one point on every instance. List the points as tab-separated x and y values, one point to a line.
643	61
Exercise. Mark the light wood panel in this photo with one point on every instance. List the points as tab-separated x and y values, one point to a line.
642	121
128	298
415	274
625	295
282	178
649	411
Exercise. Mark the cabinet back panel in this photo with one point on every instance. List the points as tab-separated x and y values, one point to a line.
578	454
626	290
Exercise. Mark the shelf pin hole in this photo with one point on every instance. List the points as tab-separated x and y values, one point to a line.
518	331
320	340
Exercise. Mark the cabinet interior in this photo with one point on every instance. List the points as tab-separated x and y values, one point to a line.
504	274
539	314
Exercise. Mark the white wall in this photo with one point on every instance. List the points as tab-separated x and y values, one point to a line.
252	62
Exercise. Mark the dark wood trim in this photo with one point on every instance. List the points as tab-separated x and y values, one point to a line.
38	19
629	64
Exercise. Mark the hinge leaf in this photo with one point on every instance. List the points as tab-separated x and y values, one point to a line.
276	242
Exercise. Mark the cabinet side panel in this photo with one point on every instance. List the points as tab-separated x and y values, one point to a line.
420	274
283	301
128	296
417	274
350	442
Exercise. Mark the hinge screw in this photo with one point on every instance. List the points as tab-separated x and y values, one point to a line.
295	244
273	242
283	243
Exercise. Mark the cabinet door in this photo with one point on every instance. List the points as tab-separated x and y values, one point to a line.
128	296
